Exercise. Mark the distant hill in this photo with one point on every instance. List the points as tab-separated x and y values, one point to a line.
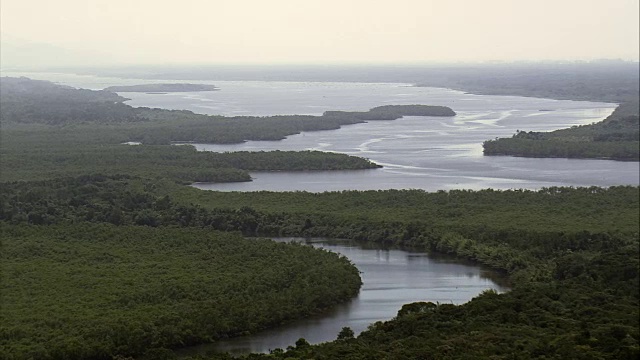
33	101
162	88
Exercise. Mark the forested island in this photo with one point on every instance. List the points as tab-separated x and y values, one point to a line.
159	88
106	254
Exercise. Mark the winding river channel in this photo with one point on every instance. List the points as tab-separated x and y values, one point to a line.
416	152
391	278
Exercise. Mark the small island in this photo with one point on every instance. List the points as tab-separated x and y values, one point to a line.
162	88
392	112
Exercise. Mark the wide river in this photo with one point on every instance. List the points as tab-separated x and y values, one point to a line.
427	153
416	152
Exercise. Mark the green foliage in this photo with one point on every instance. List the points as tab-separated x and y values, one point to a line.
571	256
345	334
567	281
95	290
110	266
392	112
401	212
26	101
219	129
49	154
30	101
616	137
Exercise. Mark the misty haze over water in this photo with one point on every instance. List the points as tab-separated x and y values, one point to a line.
423	153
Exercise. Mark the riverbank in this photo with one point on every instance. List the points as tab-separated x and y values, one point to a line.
571	254
574	270
616	138
391	276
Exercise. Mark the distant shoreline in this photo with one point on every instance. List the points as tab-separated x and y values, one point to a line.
162	88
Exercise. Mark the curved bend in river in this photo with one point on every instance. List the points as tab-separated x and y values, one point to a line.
391	278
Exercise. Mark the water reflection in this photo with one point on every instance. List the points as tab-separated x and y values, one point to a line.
391	278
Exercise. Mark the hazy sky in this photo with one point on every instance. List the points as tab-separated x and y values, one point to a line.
311	31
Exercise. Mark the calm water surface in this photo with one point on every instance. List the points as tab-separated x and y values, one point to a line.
417	152
427	153
391	278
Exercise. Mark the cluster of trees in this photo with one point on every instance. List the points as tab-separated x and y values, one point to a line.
219	129
570	253
396	216
557	209
392	112
104	266
52	158
617	137
571	256
42	102
94	291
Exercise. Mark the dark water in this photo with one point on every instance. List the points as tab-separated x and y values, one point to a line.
391	278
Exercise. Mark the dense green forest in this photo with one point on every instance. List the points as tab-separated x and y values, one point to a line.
571	255
105	251
182	163
92	291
